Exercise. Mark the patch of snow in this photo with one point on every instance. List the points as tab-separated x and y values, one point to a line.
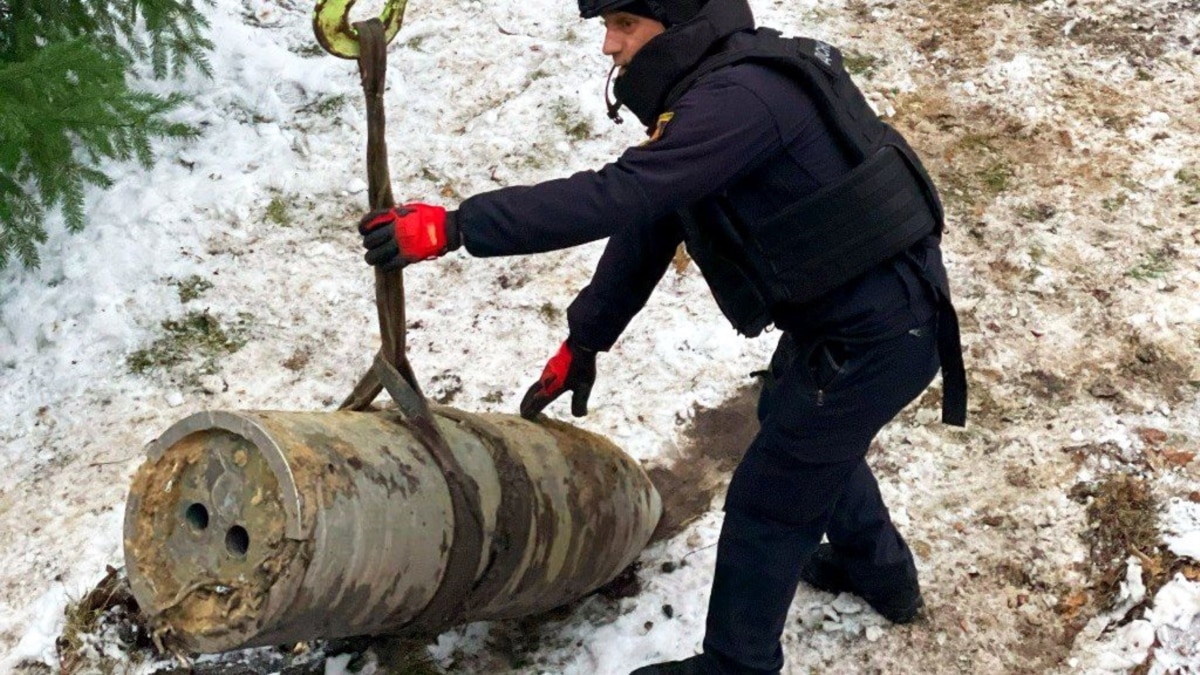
1182	526
338	665
42	623
1132	590
1176	604
1129	646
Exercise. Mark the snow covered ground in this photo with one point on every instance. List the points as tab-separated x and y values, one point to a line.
1063	132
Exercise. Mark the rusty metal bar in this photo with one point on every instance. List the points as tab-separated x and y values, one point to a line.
258	528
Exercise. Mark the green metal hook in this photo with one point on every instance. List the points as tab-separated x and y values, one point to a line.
331	23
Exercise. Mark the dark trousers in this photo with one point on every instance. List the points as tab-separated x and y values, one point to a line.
805	476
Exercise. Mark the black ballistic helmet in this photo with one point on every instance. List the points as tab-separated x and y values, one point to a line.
590	9
668	12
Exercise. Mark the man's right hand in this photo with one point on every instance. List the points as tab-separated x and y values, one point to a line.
407	234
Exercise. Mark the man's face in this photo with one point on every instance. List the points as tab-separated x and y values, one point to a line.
625	34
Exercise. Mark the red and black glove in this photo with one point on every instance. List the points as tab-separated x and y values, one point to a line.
407	234
572	368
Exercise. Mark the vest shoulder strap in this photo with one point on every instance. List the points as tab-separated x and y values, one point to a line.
819	68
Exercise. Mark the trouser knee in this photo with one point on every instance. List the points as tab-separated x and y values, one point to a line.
769	484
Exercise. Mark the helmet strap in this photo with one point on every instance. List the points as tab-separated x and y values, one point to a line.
614	106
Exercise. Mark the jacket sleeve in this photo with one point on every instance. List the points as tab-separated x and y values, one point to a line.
631	266
719	130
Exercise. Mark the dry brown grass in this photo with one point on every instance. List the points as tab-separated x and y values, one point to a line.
111	597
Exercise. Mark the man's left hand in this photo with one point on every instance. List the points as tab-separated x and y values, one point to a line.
572	369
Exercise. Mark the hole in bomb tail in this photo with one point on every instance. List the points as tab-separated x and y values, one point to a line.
197	516
237	540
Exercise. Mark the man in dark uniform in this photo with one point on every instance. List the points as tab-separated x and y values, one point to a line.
802	209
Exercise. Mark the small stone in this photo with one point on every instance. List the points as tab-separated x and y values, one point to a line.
213	384
668	611
874	633
128	633
847	604
812	617
267	15
831	626
1177	457
1032	614
174	399
1194	497
356	186
668	567
648	625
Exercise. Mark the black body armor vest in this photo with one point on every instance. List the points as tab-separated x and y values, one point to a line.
884	205
762	267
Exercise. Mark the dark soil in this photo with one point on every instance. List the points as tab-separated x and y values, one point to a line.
715	443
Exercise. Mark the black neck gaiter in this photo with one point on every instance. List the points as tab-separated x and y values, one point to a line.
669	57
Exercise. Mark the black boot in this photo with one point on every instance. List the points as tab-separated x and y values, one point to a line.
826	571
700	664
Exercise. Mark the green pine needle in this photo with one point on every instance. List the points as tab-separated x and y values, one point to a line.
66	104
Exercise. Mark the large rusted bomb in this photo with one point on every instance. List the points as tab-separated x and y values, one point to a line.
258	528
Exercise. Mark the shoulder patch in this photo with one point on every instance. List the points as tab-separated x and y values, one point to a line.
660	126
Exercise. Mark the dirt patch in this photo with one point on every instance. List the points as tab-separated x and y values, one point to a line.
300	358
1154	368
191	288
1123	519
978	153
715	443
1141	35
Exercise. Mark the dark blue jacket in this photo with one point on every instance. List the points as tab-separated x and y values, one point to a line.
748	132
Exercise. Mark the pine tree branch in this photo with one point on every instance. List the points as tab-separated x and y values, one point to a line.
66	105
